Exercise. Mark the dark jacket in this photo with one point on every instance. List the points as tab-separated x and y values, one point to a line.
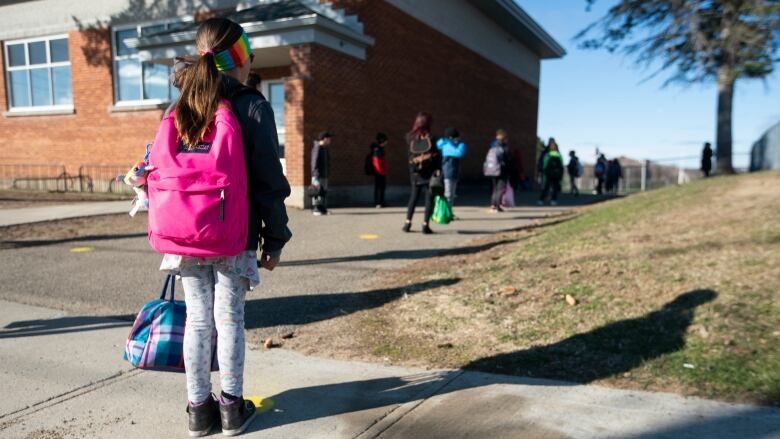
268	187
320	161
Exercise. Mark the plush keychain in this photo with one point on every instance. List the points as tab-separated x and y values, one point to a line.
136	178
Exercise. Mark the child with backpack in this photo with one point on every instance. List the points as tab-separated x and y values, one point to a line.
497	166
452	151
424	163
600	171
216	193
574	169
376	165
552	168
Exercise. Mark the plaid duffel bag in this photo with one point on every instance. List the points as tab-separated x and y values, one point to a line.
157	338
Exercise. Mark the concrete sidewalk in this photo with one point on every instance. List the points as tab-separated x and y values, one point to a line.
10	217
63	377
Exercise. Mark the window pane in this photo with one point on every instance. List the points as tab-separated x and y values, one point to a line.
19	89
276	98
41	92
16	55
59	50
121	36
174	93
155	81
62	93
149	30
37	52
128	77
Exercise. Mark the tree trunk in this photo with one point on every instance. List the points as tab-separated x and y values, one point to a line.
724	140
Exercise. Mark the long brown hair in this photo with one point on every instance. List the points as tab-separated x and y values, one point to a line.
422	125
200	83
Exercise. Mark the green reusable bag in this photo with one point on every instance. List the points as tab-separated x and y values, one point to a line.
442	214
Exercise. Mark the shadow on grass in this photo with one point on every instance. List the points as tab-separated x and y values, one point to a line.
300	310
606	351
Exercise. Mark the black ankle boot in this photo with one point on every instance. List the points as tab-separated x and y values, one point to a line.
236	415
203	417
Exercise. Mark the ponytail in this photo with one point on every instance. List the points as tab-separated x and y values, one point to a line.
198	101
200	84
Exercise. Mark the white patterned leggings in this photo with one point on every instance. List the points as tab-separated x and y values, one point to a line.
213	295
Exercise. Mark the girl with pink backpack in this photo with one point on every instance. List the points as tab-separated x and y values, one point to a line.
216	192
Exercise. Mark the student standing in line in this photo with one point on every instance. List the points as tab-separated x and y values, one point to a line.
215	287
379	167
497	166
706	159
552	168
452	151
600	172
424	163
320	172
574	169
255	81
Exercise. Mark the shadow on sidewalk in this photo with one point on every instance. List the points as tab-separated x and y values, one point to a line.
63	325
300	310
603	352
42	242
402	254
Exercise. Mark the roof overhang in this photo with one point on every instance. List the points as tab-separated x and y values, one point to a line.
513	19
313	28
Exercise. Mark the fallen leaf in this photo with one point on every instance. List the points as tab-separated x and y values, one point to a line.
269	343
743	350
444	345
571	300
288	335
508	291
689	366
574	272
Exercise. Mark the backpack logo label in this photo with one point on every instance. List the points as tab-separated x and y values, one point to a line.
199	148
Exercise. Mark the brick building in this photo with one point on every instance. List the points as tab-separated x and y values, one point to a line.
85	82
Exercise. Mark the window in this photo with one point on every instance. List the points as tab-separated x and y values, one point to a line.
38	73
136	81
274	92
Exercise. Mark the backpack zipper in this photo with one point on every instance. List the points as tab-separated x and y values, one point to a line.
222	205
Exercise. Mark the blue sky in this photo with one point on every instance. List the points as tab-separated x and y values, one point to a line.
592	99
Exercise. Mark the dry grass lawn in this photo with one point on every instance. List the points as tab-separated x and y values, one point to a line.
676	290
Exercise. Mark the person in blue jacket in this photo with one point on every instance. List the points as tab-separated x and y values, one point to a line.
452	150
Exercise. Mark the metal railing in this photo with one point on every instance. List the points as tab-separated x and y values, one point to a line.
55	178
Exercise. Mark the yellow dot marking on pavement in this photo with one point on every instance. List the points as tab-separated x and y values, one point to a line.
369	237
261	404
81	249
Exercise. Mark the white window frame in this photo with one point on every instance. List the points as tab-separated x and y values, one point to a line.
115	58
266	85
50	65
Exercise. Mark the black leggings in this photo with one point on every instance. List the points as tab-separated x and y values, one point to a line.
499	187
416	189
551	183
380	182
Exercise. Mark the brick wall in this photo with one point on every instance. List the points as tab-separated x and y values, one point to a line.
92	135
411	68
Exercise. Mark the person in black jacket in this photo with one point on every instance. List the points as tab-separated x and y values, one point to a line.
215	288
424	163
320	171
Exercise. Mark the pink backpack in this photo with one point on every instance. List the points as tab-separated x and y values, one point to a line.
198	202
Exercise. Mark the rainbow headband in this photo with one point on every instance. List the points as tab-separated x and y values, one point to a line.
234	56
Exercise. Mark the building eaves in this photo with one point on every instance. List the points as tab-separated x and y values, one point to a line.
513	19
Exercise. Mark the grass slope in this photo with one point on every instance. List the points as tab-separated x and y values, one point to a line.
678	290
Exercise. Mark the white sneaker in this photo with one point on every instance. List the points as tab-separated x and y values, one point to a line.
553	203
316	213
